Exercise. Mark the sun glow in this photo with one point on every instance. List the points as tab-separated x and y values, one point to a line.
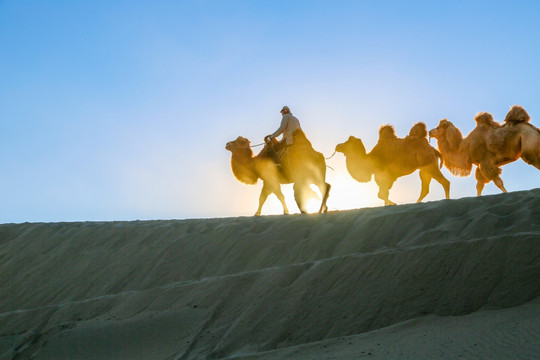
314	203
348	193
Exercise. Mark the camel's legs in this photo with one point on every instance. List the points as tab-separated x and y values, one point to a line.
384	190
281	198
439	177
485	173
489	171
481	181
299	196
479	187
425	178
267	190
383	195
325	191
499	183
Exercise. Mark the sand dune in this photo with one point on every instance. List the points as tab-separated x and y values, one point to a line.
446	279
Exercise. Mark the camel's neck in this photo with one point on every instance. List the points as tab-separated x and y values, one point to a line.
360	167
455	155
243	166
450	147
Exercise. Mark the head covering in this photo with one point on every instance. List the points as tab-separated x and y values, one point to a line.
285	108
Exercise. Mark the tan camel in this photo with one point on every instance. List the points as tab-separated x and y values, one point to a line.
489	146
392	158
300	165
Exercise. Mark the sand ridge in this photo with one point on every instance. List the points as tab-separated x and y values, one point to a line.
276	286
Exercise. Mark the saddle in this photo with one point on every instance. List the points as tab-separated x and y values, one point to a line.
277	152
290	158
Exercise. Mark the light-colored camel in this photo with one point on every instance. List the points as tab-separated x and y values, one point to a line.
489	146
394	157
301	165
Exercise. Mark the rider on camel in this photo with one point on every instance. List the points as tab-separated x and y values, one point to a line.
289	125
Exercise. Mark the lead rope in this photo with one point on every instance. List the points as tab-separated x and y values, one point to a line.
328	158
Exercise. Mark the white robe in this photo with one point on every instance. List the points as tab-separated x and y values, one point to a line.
289	124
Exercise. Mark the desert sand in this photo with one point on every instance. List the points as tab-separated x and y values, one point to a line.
439	280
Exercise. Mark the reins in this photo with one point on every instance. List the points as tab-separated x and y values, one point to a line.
257	145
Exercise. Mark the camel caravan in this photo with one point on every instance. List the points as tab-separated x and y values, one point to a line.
489	146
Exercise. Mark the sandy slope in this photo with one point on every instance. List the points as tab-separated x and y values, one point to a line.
435	280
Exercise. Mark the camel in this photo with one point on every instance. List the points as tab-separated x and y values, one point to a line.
300	165
394	157
489	146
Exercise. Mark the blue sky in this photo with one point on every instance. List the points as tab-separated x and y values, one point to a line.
121	110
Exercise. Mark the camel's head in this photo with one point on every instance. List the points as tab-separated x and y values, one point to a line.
358	164
517	114
440	130
239	143
352	146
